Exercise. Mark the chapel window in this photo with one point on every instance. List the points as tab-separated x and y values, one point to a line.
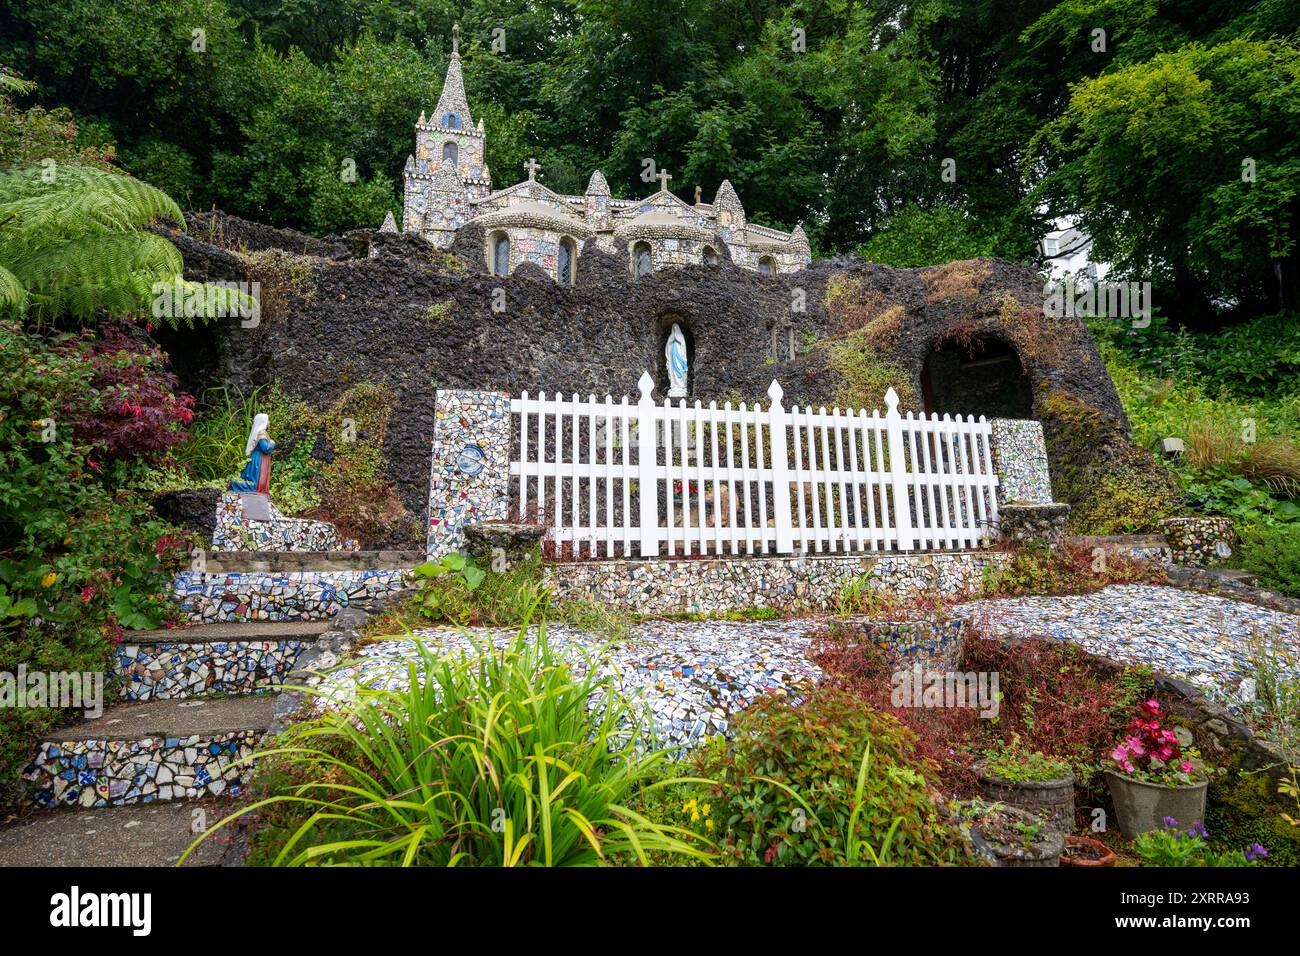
501	256
641	256
710	256
451	121
765	267
564	270
450	153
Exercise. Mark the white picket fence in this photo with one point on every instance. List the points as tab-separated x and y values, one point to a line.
615	479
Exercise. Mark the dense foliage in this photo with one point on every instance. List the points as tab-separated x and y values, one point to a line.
789	788
1233	397
79	561
844	115
495	758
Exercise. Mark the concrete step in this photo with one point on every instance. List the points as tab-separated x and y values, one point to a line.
156	751
233	658
153	834
1236	576
221	562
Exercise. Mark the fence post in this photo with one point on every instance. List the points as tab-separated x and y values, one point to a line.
898	474
647	459
780	469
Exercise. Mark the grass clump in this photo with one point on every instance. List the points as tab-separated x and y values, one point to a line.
494	758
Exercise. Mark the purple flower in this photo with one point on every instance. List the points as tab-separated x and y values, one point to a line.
1198	828
1255	852
1169	822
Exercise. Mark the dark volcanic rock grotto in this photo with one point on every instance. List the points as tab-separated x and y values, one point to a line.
391	309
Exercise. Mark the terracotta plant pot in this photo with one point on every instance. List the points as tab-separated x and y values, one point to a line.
1053	800
1101	855
1143	806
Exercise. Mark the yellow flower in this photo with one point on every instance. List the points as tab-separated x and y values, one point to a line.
695	817
705	809
708	824
49	579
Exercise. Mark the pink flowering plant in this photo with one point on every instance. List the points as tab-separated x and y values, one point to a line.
1151	752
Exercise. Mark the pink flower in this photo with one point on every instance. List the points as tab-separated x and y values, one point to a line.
1186	767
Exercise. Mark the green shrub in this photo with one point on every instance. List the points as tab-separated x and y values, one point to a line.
1273	552
454	591
78	562
492	759
1018	765
786	788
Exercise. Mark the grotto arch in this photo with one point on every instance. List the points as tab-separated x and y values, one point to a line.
663	328
982	375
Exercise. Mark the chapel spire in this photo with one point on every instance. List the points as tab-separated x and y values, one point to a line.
453	108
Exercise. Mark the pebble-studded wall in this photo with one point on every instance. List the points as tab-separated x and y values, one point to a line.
417	320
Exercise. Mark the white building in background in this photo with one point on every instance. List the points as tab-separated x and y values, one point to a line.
1067	251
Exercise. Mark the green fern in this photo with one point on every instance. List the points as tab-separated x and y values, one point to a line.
75	241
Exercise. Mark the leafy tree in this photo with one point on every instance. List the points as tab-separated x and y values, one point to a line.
1185	169
926	237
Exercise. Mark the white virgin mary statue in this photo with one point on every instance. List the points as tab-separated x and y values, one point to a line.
675	353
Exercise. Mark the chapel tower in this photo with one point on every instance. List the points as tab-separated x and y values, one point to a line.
449	166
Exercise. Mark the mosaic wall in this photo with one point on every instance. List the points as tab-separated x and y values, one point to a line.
169	670
235	532
113	773
469	479
921	641
541	247
1202	541
785	583
204	598
1020	458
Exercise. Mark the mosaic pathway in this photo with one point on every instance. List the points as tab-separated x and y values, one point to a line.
693	676
1201	638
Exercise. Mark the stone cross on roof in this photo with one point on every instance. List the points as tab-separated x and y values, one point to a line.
532	166
663	178
455	39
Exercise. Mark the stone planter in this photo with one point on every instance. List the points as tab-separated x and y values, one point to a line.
998	833
1083	852
501	545
1034	525
1204	541
1142	806
1053	800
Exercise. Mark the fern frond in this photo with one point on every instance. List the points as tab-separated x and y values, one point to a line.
13	296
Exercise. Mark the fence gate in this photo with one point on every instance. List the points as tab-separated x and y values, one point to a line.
657	479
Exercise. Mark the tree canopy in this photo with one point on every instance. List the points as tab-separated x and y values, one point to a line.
908	130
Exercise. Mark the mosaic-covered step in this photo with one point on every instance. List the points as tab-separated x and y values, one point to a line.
206	598
236	531
139	753
211	659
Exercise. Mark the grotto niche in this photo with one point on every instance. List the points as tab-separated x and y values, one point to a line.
981	377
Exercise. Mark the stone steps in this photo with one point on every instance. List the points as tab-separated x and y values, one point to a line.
145	752
310	595
152	834
234	658
219	562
